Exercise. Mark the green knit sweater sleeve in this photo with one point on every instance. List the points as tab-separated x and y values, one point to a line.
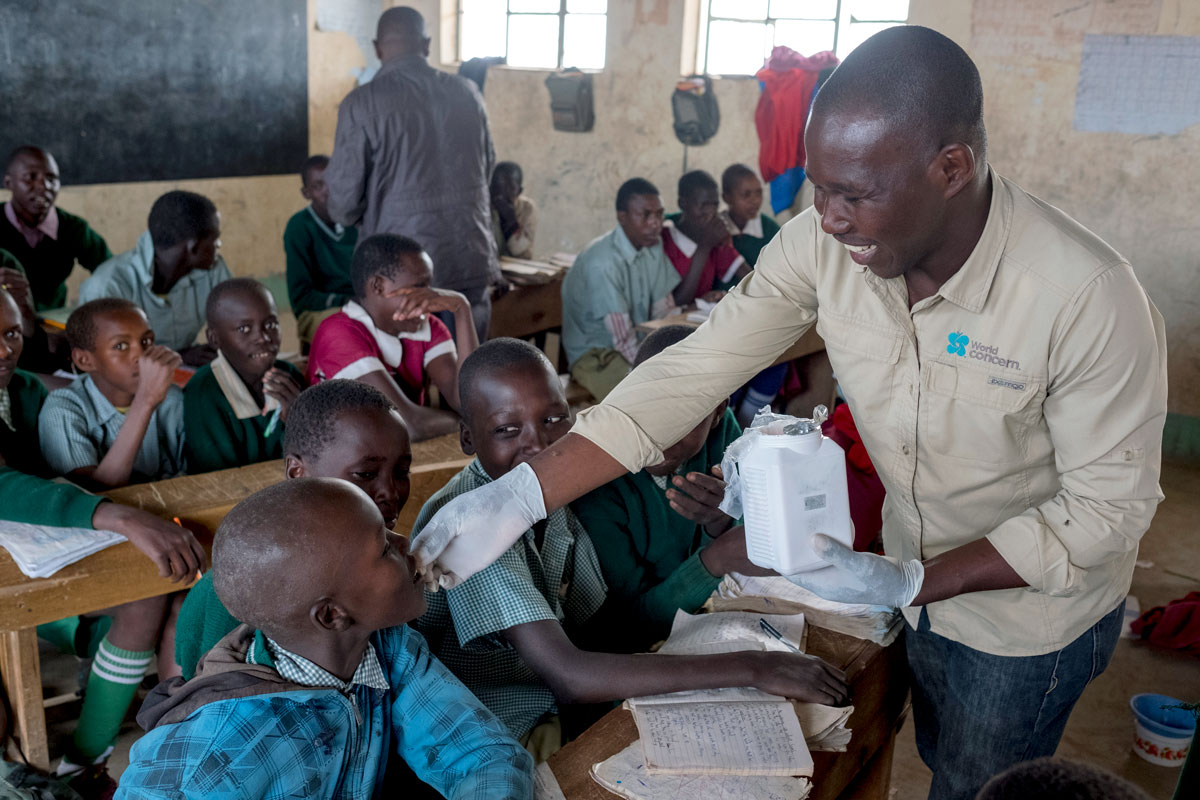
212	435
90	248
203	621
28	498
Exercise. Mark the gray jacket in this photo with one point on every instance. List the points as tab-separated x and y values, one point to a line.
413	156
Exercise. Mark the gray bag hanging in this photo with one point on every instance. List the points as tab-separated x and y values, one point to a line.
571	106
697	116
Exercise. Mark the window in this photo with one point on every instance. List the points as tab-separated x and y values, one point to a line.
736	36
535	34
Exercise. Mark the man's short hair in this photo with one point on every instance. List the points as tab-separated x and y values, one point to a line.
318	161
694	182
178	216
660	340
81	325
734	173
314	414
401	22
504	354
381	254
212	306
632	188
917	79
33	151
1058	779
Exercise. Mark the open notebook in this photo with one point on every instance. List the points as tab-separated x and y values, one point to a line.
625	774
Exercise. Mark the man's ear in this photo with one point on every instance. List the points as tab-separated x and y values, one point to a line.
464	439
293	467
954	168
329	615
305	192
85	360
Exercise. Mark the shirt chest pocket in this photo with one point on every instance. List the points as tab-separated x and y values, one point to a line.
976	415
864	359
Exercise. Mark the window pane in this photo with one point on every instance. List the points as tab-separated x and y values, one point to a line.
587	6
878	9
805	9
806	38
536	6
738	9
855	34
481	29
736	48
583	41
533	41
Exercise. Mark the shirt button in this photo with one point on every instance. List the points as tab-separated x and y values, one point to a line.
905	449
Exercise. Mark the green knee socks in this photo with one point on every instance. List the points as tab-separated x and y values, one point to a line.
116	675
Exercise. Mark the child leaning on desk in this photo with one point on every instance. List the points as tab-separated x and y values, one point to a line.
122	640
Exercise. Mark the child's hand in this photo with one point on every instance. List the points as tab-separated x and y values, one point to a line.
697	496
278	384
172	548
714	233
797	676
727	553
714	296
156	370
423	300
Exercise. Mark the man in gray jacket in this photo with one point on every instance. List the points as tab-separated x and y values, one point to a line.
413	156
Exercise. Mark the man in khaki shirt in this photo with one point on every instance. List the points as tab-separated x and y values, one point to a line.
1007	373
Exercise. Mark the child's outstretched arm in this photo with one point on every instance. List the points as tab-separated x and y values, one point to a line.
443	370
423	423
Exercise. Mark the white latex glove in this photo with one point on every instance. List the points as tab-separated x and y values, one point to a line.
474	529
854	577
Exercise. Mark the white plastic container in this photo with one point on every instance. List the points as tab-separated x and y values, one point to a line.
792	486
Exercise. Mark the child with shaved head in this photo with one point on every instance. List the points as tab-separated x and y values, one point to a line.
324	682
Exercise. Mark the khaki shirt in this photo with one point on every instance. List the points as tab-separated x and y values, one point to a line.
1023	402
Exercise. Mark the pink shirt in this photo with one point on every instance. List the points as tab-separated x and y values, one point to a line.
33	236
348	345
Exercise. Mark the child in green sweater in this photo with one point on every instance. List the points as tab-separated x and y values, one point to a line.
662	542
337	429
235	408
121	655
742	192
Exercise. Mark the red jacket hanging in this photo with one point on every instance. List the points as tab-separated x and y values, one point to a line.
787	86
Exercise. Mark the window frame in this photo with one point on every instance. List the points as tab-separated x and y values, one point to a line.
562	14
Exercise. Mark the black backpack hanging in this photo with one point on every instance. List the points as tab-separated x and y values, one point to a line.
694	106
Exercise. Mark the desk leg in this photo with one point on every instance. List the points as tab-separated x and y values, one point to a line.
874	781
22	675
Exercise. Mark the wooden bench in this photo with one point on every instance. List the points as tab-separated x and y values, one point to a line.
121	573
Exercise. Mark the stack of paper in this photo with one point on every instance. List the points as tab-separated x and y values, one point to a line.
526	272
41	551
879	624
562	260
626	774
703	309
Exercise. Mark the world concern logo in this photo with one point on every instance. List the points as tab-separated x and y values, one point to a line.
958	344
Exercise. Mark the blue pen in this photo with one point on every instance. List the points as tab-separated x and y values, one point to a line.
274	421
774	633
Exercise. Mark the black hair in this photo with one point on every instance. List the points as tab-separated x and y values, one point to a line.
660	340
24	150
212	305
734	173
495	355
401	22
1058	779
381	254
315	412
631	188
924	84
694	182
81	325
178	216
318	161
509	167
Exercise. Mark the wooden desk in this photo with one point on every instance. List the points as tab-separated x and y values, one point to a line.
526	310
121	574
811	342
879	690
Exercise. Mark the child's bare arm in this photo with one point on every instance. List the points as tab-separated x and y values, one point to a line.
579	676
443	370
423	423
156	370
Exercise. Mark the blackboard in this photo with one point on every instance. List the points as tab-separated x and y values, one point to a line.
137	90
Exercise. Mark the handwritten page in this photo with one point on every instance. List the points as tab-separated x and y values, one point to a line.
626	774
40	551
723	738
702	634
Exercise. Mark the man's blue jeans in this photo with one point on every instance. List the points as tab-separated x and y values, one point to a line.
976	714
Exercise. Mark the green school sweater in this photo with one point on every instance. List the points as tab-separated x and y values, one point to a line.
48	265
25	493
650	555
214	438
750	246
318	266
203	621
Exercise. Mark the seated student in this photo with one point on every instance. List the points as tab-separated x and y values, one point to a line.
662	542
388	336
45	239
325	682
514	216
742	192
169	272
235	408
619	281
698	243
336	429
122	421
122	654
318	254
506	631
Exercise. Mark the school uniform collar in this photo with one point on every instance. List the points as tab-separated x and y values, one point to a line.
753	227
265	651
48	227
6	409
103	407
681	239
390	345
142	263
236	393
335	233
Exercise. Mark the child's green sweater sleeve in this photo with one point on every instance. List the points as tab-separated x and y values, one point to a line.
27	498
203	621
